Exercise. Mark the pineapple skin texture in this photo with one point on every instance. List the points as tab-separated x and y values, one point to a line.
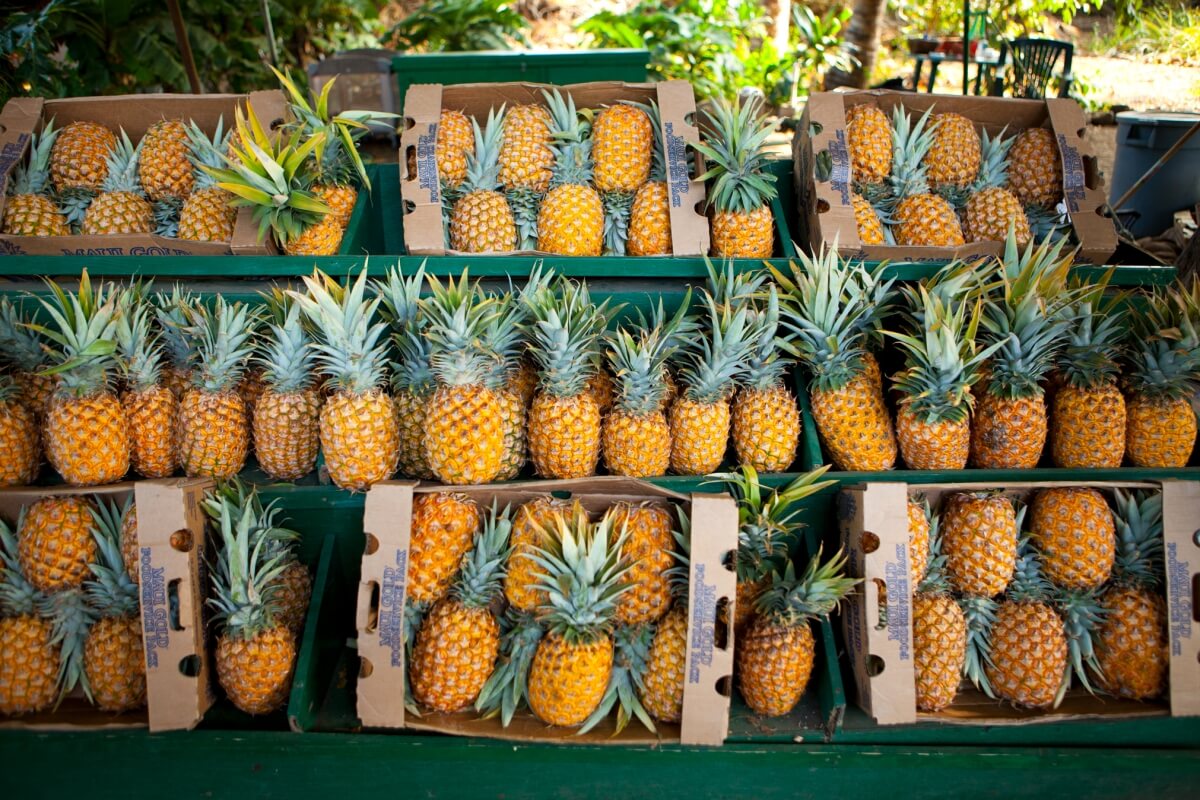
1087	427
340	199
638	447
33	215
482	222
526	159
256	672
206	216
869	138
129	545
118	212
1035	167
647	549
55	544
927	220
600	387
464	443
443	527
1029	654
164	168
622	147
567	682
453	657
1132	645
745	599
955	155
571	221
1159	432
287	432
855	426
932	445
870	229
455	141
78	159
989	214
20	444
650	222
411	410
918	542
766	428
360	437
36	391
1008	434
699	436
979	538
513	414
662	683
213	434
774	663
564	435
153	421
1075	533
87	438
531	520
321	239
112	658
293	592
939	649
738	235
28	665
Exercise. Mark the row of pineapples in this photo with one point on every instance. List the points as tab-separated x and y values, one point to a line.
182	182
998	358
937	182
1022	600
583	182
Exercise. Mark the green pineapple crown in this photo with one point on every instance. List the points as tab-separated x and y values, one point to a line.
286	355
348	345
504	339
736	151
639	359
401	308
504	690
911	143
205	151
767	522
1164	352
766	366
957	282
565	336
993	162
85	331
122	163
980	615
225	341
1094	342
1139	521
583	575
173	312
572	145
713	364
631	656
138	341
791	602
679	574
1082	614
111	591
458	316
483	166
21	346
482	575
71	619
935	581
1029	583
18	597
731	287
33	175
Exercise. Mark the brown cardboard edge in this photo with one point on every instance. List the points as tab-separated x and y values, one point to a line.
1181	546
685	195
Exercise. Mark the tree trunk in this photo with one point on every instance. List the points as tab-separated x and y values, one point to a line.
862	36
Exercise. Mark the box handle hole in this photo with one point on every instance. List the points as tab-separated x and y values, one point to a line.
173	614
365	667
881	606
190	666
370	544
874	666
724	686
182	541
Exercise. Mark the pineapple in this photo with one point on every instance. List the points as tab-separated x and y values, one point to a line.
979	537
164	167
661	690
1035	168
1074	532
173	312
1132	644
631	653
464	441
775	656
79	157
868	222
1028	315
482	220
766	417
286	418
459	639
534	522
505	340
444	525
571	217
56	544
27	355
527	159
622	149
255	652
649	230
922	526
29	209
955	154
121	206
1087	417
129	540
29	656
412	376
921	219
939	640
19	438
741	190
454	145
869	138
991	208
360	434
112	655
647	529
833	308
564	420
637	437
208	214
582	572
150	407
86	433
213	431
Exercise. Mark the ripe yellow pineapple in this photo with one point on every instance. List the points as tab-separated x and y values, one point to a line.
150	407
939	643
208	213
55	542
164	168
526	152
19	437
741	188
286	417
979	537
1075	534
29	210
29	657
455	142
505	339
121	206
444	525
922	525
79	158
360	435
622	147
412	374
1035	168
129	541
482	220
869	138
647	530
637	437
954	156
458	641
25	353
920	218
866	219
649	231
570	221
991	207
534	521
775	655
173	312
661	687
766	417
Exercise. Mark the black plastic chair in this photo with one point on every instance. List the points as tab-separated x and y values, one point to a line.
1033	62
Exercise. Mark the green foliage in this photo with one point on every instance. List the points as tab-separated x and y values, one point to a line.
461	25
1006	18
1087	92
1168	34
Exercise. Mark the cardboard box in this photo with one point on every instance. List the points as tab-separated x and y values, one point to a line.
75	712
874	529
23	116
423	104
825	209
381	598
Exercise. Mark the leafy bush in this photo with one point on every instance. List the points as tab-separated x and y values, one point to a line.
460	25
1006	18
1168	34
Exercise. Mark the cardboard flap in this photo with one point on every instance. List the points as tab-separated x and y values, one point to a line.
689	225
387	518
422	193
19	119
1181	551
171	528
1085	203
709	677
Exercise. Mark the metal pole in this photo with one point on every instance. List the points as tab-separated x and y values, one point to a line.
272	50
185	47
1150	173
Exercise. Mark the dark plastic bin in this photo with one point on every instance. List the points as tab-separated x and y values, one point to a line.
1142	139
